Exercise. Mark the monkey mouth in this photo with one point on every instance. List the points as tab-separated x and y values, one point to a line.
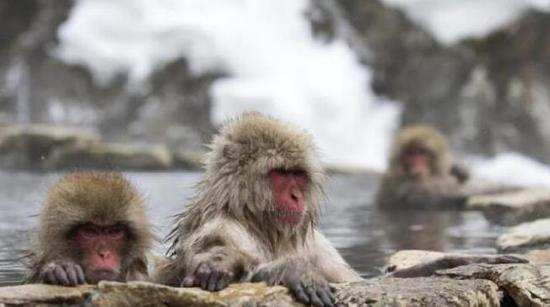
103	274
292	217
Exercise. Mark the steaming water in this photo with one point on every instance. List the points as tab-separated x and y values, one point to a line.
362	234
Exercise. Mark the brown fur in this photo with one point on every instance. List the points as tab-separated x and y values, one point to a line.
233	205
83	197
397	189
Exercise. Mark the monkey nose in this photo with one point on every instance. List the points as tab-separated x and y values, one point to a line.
296	194
104	254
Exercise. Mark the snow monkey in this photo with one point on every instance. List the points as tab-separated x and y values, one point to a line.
254	215
420	172
92	227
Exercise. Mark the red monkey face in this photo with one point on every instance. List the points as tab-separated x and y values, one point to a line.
102	247
417	162
289	188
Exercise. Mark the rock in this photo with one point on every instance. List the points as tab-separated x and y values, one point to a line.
408	258
108	294
188	160
146	294
524	284
424	291
111	156
28	147
382	291
43	295
526	236
538	256
514	207
471	285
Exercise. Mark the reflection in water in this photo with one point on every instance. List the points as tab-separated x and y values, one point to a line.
364	235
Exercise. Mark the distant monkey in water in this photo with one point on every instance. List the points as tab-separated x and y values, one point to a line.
421	173
254	215
93	227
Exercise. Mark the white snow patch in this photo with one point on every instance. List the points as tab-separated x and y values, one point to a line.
513	168
266	47
451	20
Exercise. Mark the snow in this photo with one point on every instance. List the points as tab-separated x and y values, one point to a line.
451	20
512	168
274	65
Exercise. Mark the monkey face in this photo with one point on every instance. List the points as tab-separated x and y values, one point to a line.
417	162
102	245
289	188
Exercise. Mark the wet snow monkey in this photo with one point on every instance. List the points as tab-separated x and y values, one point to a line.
254	215
92	227
420	173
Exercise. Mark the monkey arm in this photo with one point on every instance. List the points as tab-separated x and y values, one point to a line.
219	253
329	261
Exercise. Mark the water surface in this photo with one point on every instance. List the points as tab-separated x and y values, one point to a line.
350	220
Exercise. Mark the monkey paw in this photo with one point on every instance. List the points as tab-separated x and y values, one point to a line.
65	273
306	285
309	288
209	275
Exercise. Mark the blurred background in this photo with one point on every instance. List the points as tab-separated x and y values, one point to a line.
140	86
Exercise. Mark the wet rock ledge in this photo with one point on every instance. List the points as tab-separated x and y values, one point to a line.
471	285
50	148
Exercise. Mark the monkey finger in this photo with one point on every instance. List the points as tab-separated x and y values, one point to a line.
80	274
331	292
299	292
326	297
188	281
301	296
213	280
203	274
223	282
314	299
71	275
61	276
49	277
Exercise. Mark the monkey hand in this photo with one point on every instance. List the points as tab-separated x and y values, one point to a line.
301	278
63	273
211	275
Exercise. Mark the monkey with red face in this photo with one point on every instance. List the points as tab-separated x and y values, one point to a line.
254	216
92	227
421	173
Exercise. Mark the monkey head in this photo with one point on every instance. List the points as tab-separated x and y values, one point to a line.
265	170
419	152
95	220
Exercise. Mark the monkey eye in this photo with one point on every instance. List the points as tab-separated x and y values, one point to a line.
116	231
417	151
298	173
290	172
89	231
